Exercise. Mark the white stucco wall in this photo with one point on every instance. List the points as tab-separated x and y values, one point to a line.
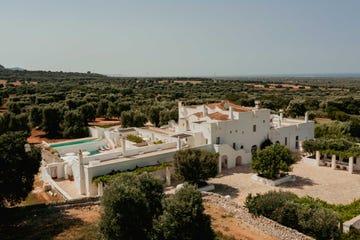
303	130
122	165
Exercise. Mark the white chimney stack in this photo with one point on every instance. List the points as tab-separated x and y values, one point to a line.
257	104
281	117
205	113
179	108
230	113
81	173
123	146
306	117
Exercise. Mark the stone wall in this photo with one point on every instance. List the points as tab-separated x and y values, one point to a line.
266	225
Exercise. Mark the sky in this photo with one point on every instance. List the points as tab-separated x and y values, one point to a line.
182	37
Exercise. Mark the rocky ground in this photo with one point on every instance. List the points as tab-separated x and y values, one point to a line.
261	224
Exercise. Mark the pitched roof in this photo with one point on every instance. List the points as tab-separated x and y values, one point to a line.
218	116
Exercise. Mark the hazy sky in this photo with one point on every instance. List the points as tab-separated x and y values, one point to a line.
180	37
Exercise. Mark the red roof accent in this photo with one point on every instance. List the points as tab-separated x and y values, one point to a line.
218	116
199	114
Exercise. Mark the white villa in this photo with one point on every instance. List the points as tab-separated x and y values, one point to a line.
231	130
236	131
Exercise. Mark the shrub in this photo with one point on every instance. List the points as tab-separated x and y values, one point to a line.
307	215
134	138
272	160
135	207
158	142
184	217
139	170
353	234
267	203
195	166
130	203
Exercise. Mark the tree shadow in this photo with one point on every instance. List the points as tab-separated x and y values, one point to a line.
224	190
35	222
299	183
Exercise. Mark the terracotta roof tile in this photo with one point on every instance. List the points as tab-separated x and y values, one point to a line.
199	114
218	116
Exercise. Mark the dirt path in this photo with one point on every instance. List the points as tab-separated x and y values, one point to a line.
231	227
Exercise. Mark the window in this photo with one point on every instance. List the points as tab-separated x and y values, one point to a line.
230	132
234	146
297	142
263	121
242	147
286	141
218	140
236	131
254	128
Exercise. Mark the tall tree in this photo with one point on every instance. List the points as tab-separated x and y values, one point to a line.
154	115
88	112
51	120
184	217
17	167
101	110
74	125
35	116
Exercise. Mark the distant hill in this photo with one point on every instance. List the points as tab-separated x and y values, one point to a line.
16	69
2	67
17	73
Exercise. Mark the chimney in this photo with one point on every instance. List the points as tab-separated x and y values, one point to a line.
180	108
123	146
82	174
230	113
281	117
257	104
205	111
306	117
178	144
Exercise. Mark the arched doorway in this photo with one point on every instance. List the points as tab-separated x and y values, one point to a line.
238	160
224	162
253	148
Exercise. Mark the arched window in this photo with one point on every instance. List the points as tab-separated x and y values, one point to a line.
253	148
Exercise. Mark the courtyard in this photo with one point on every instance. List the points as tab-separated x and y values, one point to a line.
333	186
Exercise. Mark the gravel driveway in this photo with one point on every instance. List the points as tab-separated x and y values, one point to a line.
333	186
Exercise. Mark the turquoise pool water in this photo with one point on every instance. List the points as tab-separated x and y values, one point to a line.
57	145
94	152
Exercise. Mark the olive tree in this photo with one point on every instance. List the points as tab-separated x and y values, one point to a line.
272	160
184	217
195	166
17	167
130	203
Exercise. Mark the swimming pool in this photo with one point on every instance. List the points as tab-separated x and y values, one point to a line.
63	144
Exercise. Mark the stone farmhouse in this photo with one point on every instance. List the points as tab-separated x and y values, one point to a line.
231	130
